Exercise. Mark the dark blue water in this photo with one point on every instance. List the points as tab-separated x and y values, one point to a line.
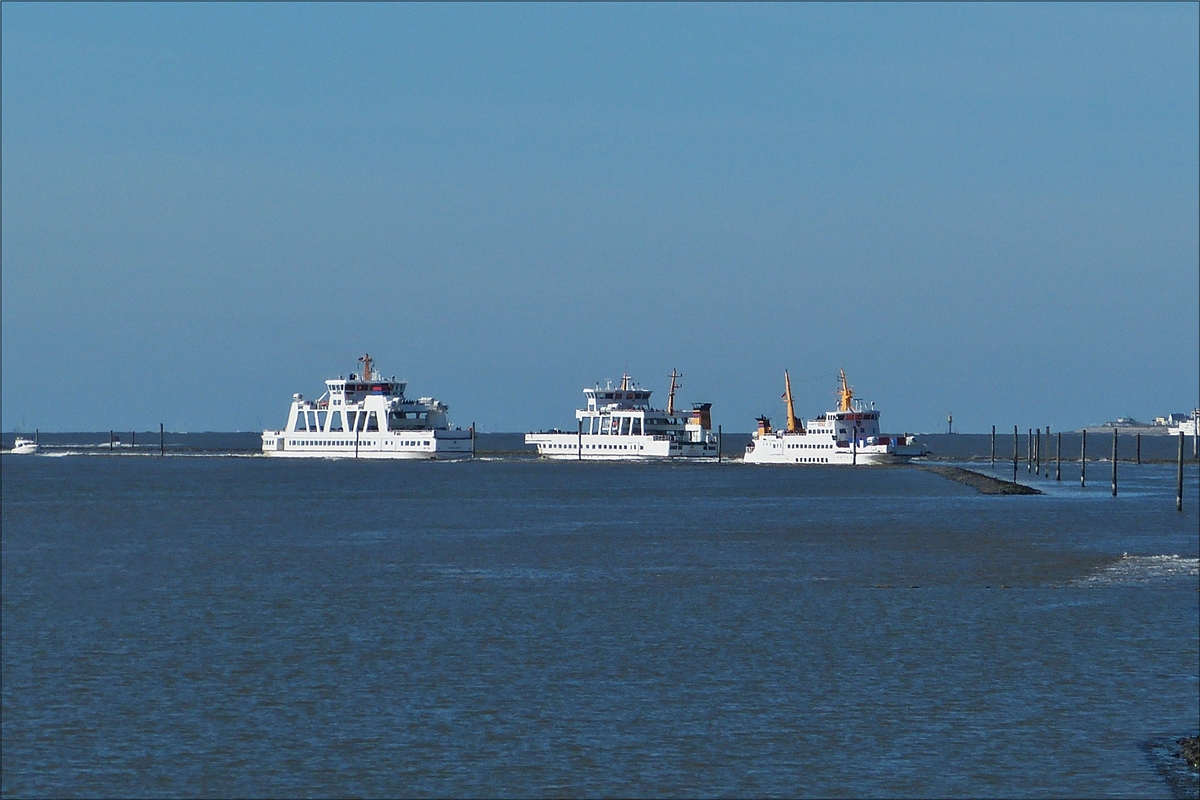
254	627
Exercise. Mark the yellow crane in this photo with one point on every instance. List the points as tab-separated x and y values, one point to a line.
793	424
845	393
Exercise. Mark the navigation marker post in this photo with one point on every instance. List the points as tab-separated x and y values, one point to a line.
1058	458
1139	448
1179	477
1047	451
1083	460
1015	453
1037	453
1114	462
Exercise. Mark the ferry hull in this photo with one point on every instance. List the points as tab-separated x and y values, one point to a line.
403	446
776	450
590	447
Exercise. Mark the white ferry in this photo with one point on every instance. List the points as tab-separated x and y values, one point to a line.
1188	427
368	416
849	435
619	424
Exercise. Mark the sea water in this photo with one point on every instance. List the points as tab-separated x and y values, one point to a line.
264	627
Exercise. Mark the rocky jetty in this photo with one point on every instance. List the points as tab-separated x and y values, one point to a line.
984	484
1189	748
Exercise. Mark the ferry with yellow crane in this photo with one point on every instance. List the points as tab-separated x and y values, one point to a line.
849	435
619	424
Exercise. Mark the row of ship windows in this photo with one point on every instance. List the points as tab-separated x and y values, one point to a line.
593	446
812	460
350	443
809	446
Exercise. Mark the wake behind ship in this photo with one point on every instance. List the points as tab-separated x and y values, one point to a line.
368	416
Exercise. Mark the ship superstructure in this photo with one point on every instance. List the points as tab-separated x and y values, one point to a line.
368	416
849	435
618	423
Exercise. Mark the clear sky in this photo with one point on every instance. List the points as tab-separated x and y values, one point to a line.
990	210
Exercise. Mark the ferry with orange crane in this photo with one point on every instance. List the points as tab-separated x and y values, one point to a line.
368	416
849	435
619	424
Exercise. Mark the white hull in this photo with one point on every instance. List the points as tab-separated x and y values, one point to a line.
800	450
24	447
592	447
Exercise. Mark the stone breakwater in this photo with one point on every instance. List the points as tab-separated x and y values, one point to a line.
984	484
1189	748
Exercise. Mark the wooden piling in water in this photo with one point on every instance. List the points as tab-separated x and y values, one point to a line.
1179	477
162	442
1029	451
718	444
1047	451
1139	448
1058	458
1015	453
579	442
1083	459
1037	453
1114	463
110	440
993	447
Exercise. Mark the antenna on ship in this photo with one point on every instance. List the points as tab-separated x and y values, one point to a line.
674	376
793	424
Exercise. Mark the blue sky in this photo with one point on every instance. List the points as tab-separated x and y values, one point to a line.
985	210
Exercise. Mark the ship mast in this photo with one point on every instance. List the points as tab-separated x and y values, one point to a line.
845	393
793	424
674	376
365	358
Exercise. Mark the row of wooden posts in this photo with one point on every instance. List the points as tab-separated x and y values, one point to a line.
1033	458
162	440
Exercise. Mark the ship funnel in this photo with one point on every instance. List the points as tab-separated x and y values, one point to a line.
764	426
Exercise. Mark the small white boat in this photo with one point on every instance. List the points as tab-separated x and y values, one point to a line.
23	446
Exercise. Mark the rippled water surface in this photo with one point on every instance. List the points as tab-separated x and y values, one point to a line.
244	626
